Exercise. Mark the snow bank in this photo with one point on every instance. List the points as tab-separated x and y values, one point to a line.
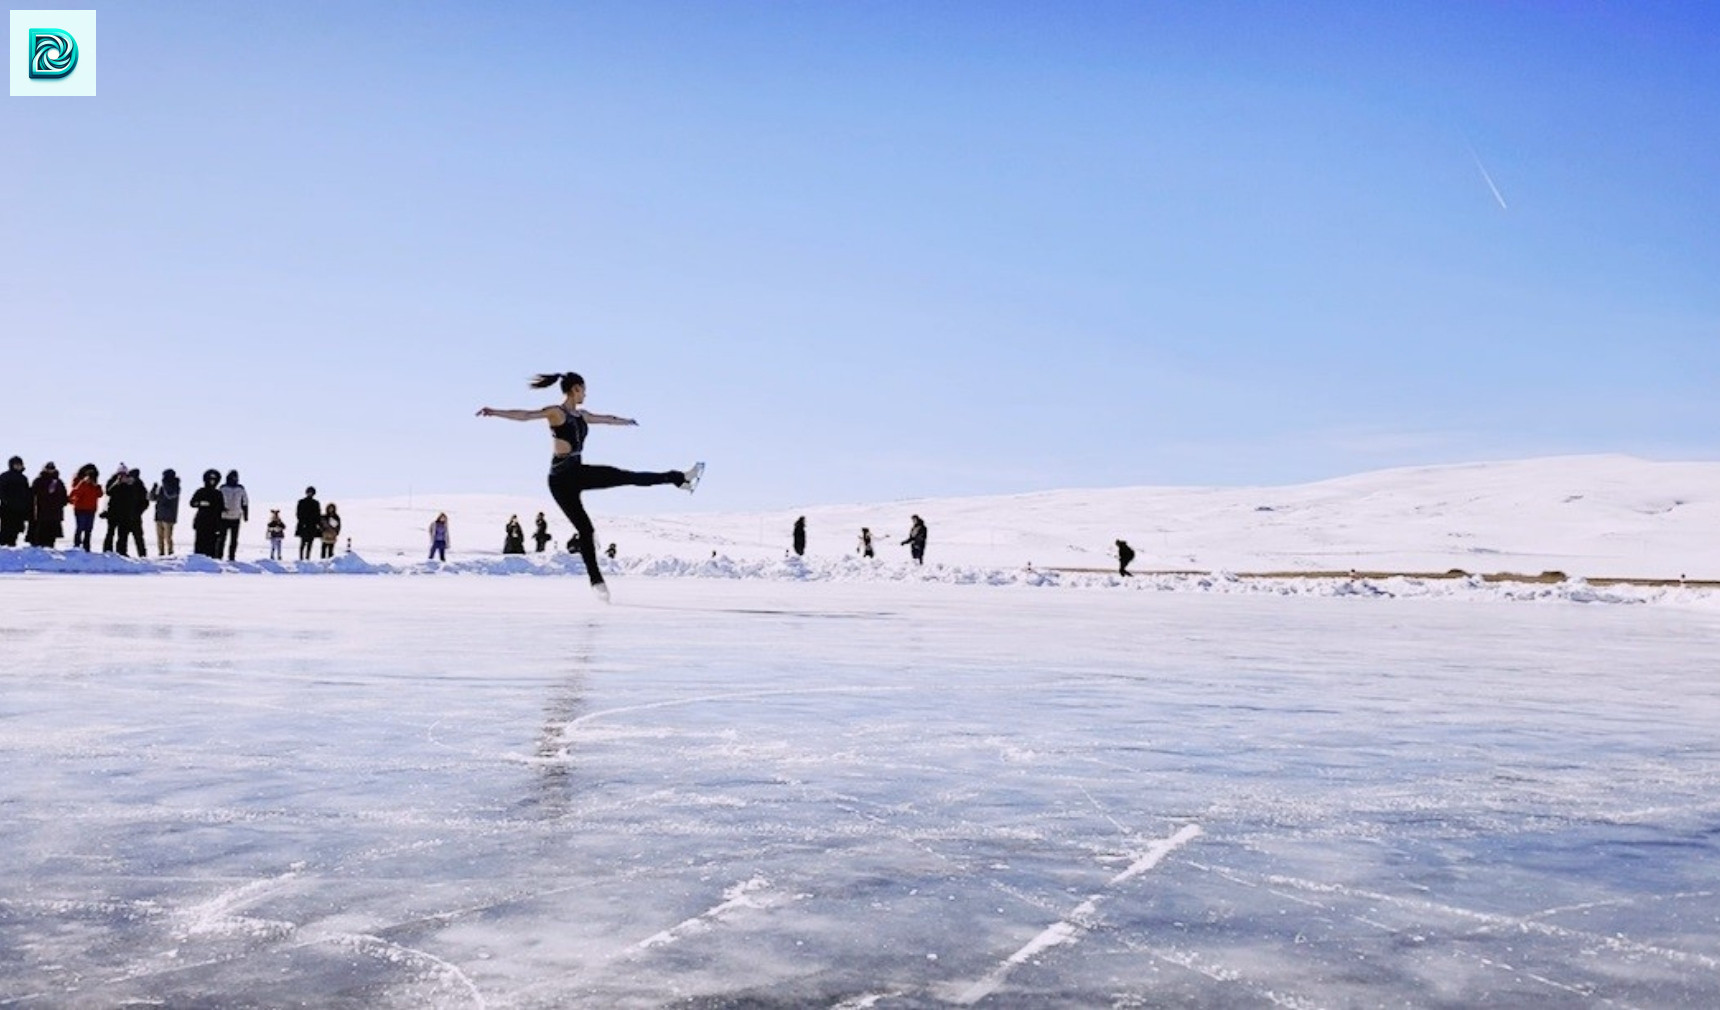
36	560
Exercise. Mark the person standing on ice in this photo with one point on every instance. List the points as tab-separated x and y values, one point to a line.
165	495
15	502
541	536
514	537
439	537
277	530
48	508
127	502
307	522
238	511
866	542
328	527
800	537
206	505
570	476
86	493
917	540
1125	554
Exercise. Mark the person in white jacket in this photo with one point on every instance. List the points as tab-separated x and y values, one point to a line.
236	509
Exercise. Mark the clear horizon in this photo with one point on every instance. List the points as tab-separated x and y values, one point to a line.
858	253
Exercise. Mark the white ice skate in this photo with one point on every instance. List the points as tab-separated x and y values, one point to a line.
602	591
693	475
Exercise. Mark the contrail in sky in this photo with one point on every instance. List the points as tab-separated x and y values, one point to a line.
1489	179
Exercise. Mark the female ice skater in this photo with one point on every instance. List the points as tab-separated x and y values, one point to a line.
569	475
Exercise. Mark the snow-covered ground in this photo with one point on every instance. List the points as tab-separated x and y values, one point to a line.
1586	516
755	781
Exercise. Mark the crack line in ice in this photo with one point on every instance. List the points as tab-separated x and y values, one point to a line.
1491	920
1219	973
1081	919
569	726
392	951
738	896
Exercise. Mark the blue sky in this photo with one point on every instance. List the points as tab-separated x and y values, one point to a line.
867	251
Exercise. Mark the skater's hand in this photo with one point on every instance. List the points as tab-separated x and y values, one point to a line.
486	412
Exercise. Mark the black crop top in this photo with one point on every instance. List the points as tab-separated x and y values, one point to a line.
571	430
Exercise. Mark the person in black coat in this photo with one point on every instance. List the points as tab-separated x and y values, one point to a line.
127	502
800	537
1125	554
165	495
48	518
307	522
515	540
16	503
207	505
542	537
917	540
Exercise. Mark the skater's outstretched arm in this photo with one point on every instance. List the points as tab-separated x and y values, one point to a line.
606	419
541	414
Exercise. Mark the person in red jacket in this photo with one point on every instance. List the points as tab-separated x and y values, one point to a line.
85	497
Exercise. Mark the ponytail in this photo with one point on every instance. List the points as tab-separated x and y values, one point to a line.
568	380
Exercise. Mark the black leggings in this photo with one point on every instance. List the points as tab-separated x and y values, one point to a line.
567	480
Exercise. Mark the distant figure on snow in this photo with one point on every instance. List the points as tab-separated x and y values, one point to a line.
570	476
206	507
237	510
541	536
573	543
917	540
610	553
277	530
85	496
15	502
165	495
48	508
329	529
439	537
515	540
866	542
307	522
800	537
1125	554
127	503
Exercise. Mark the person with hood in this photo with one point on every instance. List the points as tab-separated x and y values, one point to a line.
800	537
570	476
329	529
514	540
277	530
1125	554
917	540
48	497
206	505
15	502
439	537
127	502
85	496
236	509
165	495
542	537
307	522
113	520
866	542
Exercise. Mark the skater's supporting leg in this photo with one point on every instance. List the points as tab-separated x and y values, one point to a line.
567	496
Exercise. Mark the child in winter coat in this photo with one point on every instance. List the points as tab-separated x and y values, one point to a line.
330	530
277	534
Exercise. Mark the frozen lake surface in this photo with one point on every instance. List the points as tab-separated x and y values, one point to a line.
481	791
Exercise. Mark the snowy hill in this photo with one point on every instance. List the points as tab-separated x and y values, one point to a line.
1584	515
